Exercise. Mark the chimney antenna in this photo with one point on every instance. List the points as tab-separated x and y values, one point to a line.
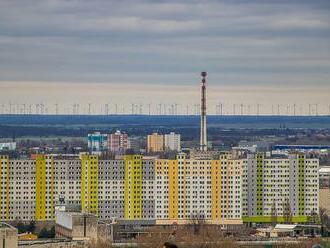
203	135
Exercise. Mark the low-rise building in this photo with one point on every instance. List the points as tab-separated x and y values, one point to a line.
75	225
8	236
289	230
324	174
8	146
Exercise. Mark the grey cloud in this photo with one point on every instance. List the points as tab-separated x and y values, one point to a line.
155	42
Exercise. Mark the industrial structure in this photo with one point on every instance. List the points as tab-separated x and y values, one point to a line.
203	135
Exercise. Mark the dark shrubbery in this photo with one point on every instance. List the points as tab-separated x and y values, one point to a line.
47	234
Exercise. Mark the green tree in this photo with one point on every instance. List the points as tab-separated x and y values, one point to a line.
31	227
21	228
43	233
52	232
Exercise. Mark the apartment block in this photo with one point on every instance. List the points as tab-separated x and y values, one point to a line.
225	190
198	189
155	143
283	186
97	142
118	142
172	141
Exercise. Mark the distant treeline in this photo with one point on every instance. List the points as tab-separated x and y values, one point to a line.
187	133
188	126
165	120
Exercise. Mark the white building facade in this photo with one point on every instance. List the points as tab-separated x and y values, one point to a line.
172	142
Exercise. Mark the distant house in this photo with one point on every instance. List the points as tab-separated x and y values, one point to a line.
289	230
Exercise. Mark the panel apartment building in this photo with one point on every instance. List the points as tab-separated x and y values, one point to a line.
219	191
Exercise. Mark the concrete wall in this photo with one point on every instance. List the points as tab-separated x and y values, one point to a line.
8	237
325	199
53	244
80	231
104	232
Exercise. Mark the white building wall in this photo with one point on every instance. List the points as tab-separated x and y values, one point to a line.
172	141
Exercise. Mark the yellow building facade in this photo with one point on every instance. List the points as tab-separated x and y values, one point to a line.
155	142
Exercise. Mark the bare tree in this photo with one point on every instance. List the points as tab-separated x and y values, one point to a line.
325	218
273	214
287	214
197	220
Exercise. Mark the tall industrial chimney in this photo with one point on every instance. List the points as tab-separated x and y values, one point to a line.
203	141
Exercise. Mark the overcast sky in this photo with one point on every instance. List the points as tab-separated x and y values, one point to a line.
153	51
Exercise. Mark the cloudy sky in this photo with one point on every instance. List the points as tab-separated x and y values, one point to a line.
81	51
